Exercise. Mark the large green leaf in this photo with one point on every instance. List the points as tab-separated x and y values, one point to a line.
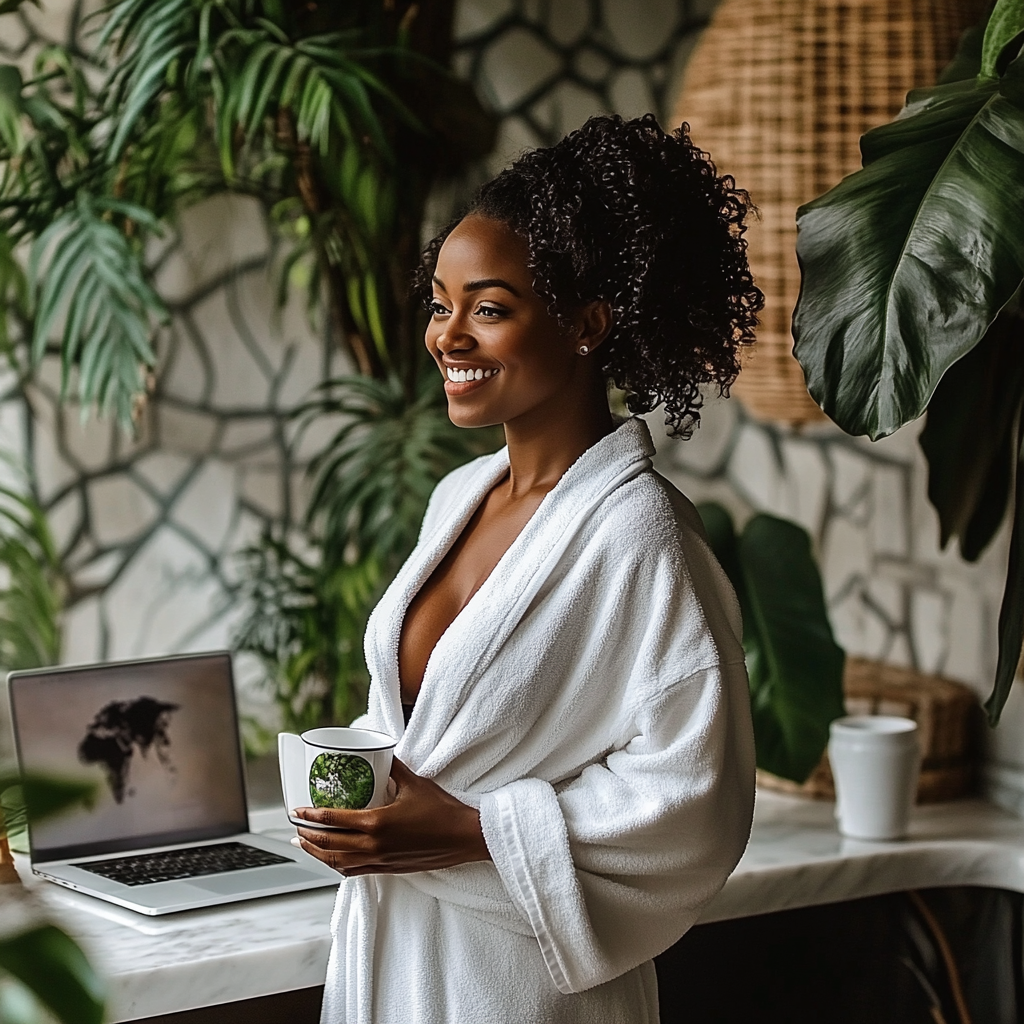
1004	25
1011	612
971	437
794	664
907	262
48	963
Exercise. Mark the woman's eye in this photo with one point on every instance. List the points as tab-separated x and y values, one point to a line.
490	311
436	309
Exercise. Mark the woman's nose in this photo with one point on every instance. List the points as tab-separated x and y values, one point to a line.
454	337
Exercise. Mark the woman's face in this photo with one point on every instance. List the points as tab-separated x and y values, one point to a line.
503	356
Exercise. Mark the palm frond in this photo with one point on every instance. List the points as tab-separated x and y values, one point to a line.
32	591
305	617
14	296
83	268
12	135
150	38
373	479
259	72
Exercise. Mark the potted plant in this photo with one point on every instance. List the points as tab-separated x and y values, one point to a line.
910	303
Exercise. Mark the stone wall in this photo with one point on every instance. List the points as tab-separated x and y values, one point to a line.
150	527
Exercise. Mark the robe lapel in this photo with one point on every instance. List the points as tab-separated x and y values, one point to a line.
383	631
481	629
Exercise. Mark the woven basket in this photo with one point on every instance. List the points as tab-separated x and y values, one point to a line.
947	718
779	92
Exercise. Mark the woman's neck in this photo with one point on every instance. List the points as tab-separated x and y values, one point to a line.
542	446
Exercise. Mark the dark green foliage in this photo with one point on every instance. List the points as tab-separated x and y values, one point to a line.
372	482
312	109
53	968
344	781
337	118
32	595
42	958
305	618
795	665
912	270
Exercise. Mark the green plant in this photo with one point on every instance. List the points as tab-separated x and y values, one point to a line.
43	973
336	117
32	582
912	273
794	664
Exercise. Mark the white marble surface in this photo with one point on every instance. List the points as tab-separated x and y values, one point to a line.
796	858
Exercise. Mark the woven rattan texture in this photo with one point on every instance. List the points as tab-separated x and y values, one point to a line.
779	92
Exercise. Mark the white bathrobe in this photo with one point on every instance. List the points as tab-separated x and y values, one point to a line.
591	699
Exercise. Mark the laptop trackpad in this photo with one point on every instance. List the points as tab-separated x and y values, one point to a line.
233	882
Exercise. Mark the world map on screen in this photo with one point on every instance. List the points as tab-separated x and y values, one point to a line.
121	729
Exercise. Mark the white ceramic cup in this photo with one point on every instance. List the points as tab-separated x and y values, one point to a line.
875	762
334	767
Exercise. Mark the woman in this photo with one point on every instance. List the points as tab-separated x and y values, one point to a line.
561	653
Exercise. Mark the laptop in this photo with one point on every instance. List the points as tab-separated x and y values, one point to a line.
168	829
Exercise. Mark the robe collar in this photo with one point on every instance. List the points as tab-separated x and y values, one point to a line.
478	632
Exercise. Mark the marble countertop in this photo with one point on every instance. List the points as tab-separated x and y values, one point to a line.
796	858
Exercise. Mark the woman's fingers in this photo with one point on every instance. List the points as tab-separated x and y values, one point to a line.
354	821
339	850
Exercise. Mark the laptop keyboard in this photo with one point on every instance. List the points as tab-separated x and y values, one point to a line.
192	862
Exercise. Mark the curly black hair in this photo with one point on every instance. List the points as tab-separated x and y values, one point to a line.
620	210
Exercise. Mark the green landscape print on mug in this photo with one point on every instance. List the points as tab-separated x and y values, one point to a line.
343	781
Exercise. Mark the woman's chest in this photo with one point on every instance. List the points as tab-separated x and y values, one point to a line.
452	585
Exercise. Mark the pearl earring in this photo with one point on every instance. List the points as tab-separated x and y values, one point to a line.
583	350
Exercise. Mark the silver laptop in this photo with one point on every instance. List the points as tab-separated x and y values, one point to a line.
168	829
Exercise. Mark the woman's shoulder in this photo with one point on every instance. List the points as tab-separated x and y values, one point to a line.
655	513
653	533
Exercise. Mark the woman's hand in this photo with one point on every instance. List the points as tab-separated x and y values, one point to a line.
423	828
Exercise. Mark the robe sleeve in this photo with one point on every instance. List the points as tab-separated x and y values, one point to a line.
612	867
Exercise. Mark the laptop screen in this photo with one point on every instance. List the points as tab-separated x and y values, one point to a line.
157	738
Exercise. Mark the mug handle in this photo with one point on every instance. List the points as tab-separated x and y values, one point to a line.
291	755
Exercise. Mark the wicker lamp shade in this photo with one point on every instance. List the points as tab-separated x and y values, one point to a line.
779	92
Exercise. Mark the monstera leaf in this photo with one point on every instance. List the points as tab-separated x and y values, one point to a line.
912	270
907	262
795	665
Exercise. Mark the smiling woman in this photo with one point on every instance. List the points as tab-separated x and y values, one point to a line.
560	655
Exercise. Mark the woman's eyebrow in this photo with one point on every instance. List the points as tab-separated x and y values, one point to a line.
490	282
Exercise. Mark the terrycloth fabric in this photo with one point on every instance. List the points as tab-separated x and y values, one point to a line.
591	700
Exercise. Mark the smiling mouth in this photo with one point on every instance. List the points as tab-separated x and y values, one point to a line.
464	376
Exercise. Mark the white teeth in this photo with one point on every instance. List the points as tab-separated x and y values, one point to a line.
460	376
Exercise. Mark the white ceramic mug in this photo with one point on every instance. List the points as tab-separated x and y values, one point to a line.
875	762
334	767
